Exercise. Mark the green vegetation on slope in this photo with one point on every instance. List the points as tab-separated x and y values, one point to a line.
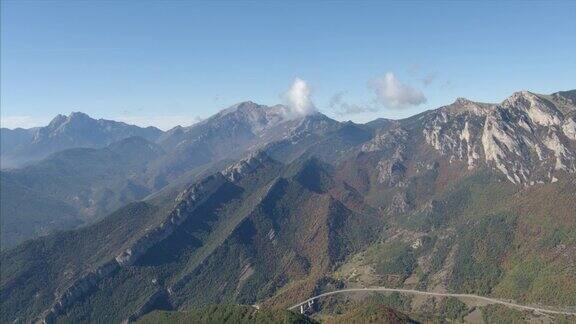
482	245
502	314
395	261
273	238
376	308
33	272
226	314
72	187
27	213
453	309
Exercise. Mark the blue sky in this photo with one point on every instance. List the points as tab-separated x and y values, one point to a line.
168	63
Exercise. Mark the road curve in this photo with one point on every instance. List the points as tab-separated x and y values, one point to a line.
419	292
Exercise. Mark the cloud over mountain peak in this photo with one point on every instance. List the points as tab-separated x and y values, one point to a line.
298	99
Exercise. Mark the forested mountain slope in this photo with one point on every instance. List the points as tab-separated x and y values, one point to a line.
470	198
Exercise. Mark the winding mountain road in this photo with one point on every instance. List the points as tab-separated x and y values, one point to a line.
419	292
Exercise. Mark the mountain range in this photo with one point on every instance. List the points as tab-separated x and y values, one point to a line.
23	146
103	221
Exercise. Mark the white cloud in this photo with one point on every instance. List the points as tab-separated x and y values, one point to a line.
393	94
341	107
298	98
164	122
23	121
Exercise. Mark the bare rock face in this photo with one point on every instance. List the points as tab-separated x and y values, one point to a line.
452	130
240	169
537	110
569	128
392	144
527	137
386	140
399	205
392	171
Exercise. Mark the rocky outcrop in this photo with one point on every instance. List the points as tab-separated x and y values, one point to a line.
185	202
80	288
392	146
386	140
242	168
398	205
527	137
392	171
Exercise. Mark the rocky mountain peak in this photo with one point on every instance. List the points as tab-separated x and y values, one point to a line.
538	110
75	130
256	117
244	106
316	194
58	120
78	115
526	137
315	122
61	123
249	107
463	101
466	106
